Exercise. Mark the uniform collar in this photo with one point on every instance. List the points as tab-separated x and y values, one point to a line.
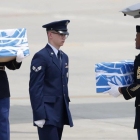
54	49
138	56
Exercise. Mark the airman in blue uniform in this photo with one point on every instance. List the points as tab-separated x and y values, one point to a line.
48	85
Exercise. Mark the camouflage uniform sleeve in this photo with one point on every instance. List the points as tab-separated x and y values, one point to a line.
134	89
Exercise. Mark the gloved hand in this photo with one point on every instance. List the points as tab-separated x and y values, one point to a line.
20	56
40	123
114	91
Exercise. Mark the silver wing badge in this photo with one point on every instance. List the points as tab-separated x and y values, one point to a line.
37	69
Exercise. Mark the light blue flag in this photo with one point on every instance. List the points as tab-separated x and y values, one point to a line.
11	40
118	73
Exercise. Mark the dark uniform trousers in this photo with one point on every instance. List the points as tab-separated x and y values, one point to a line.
4	98
50	132
134	91
138	131
4	119
49	93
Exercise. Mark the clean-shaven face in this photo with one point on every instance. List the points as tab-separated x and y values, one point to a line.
57	38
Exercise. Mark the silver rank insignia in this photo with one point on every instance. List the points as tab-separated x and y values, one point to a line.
37	69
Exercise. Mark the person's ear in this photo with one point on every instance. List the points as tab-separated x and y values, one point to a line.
49	35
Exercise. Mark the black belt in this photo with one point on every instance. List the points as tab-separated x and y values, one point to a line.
2	68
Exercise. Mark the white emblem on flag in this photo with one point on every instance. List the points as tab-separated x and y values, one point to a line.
37	69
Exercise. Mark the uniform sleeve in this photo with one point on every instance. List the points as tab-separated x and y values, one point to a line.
132	90
12	65
37	74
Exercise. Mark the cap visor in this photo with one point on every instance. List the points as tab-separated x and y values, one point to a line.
63	32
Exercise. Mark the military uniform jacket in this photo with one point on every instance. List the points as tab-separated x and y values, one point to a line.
134	91
4	84
48	88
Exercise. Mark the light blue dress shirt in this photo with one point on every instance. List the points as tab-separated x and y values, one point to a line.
54	49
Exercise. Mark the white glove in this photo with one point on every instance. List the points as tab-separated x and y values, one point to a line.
20	56
40	123
114	91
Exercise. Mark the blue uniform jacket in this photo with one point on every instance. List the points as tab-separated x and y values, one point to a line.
48	88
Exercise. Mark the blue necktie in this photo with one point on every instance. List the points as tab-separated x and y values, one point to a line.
59	57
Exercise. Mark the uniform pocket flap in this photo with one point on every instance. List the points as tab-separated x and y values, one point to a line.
50	99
